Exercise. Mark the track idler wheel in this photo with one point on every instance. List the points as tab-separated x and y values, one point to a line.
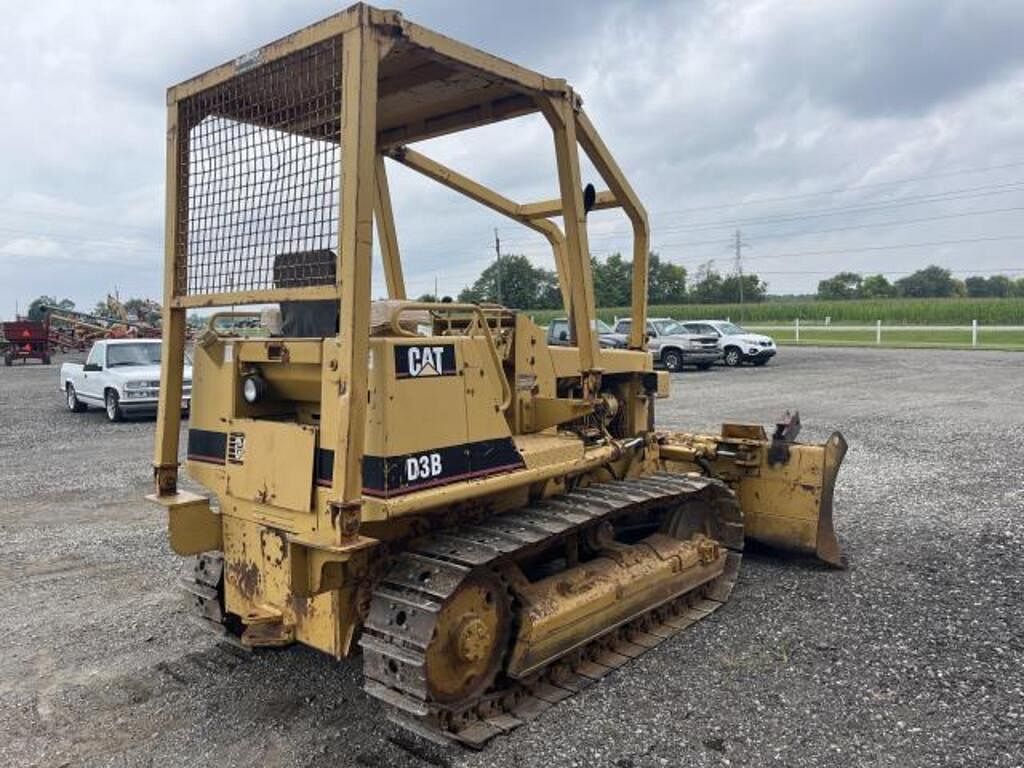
718	518
470	638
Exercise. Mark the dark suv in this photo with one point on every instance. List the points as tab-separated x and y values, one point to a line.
558	334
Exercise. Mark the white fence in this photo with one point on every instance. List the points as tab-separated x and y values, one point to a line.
880	333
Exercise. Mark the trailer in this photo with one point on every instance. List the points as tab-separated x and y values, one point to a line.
25	340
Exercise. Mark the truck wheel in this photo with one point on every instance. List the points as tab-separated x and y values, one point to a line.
7	360
74	404
672	359
733	356
113	406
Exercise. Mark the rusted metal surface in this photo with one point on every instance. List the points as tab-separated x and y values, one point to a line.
244	576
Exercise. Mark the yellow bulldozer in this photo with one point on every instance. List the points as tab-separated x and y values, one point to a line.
492	521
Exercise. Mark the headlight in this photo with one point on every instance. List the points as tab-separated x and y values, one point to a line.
253	388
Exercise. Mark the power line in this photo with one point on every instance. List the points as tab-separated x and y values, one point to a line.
949	196
864	249
847	228
842	190
835	191
28	211
993	271
966	193
869	225
796	254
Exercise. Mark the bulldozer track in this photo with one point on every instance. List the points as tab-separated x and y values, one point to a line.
407	602
204	597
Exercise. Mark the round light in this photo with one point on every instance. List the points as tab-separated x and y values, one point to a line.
253	389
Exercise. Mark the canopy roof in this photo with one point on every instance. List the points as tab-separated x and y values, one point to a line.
428	84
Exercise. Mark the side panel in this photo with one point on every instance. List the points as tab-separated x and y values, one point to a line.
271	463
425	403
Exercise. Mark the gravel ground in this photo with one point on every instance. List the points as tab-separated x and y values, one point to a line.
913	656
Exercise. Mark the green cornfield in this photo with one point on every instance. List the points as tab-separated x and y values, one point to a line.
889	311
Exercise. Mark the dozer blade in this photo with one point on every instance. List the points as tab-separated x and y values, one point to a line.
788	505
785	488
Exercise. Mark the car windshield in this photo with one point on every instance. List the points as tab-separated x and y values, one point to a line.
731	330
133	354
602	327
669	327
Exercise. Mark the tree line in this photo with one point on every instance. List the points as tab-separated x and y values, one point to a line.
932	282
516	282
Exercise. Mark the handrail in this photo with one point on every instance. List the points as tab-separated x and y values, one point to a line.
481	319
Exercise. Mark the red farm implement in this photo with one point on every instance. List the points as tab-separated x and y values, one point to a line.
25	340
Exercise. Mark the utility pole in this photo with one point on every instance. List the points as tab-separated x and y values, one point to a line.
497	251
704	270
739	246
436	297
703	273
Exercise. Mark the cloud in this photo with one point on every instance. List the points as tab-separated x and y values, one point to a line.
32	248
711	107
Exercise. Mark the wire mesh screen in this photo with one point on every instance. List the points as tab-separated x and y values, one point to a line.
259	179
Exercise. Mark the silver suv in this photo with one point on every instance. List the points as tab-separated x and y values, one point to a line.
673	346
738	345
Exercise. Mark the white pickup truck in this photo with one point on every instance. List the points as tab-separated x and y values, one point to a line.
121	376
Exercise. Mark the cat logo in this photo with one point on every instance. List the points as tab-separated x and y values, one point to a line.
425	361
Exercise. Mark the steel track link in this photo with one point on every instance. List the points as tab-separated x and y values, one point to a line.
406	604
203	597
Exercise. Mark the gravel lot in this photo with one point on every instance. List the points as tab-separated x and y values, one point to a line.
913	656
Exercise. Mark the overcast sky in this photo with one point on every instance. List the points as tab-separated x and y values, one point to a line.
874	135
